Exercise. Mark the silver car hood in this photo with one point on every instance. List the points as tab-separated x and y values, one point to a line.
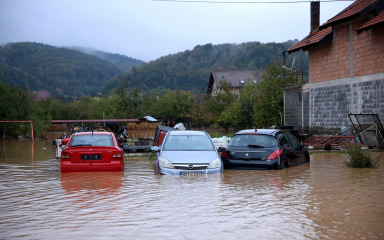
190	156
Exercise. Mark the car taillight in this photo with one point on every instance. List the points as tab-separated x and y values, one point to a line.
276	154
65	154
224	155
116	154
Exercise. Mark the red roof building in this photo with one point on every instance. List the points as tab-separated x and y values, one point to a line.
346	70
41	95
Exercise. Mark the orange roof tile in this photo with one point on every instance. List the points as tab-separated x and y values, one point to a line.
311	40
374	21
356	8
350	11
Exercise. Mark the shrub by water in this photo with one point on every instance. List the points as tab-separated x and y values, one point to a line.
360	158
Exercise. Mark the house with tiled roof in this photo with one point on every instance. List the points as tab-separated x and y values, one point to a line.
236	80
346	69
41	95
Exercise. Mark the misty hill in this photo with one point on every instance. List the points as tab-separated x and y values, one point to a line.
190	70
123	62
61	71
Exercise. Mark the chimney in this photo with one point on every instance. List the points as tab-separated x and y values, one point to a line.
315	15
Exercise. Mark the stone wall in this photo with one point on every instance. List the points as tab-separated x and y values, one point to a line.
323	108
293	108
329	108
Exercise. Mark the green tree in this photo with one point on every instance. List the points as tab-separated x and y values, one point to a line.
18	104
126	104
245	107
220	108
174	105
269	101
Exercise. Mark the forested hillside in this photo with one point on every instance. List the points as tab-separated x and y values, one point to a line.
123	62
189	70
68	72
60	71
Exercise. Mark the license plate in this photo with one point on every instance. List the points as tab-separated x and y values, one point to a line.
91	157
190	173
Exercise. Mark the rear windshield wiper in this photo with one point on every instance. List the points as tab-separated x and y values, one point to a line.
255	146
81	145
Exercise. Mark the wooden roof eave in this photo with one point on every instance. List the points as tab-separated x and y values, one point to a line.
360	30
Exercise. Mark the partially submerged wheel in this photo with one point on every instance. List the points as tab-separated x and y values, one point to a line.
307	158
282	164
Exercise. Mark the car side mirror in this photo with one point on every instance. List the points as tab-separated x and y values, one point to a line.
155	148
63	146
221	149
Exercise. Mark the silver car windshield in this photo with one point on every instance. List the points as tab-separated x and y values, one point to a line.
253	141
91	140
188	143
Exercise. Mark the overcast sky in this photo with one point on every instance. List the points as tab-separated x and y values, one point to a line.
149	29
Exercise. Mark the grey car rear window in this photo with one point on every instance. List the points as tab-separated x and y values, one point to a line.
265	141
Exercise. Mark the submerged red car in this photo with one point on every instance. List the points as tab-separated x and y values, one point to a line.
92	151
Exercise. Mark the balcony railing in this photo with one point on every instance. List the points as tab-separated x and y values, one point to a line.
295	77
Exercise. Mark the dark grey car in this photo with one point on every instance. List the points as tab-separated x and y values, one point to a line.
263	148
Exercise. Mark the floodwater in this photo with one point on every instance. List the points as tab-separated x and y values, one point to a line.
320	200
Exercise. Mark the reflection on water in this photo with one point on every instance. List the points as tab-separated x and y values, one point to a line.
320	200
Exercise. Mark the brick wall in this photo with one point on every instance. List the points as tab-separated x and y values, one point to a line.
368	52
331	60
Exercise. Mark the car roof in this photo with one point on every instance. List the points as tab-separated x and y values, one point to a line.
271	132
187	132
94	133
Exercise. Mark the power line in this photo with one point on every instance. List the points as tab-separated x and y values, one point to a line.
250	2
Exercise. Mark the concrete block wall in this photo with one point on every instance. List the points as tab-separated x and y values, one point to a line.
324	108
368	97
329	108
306	112
293	108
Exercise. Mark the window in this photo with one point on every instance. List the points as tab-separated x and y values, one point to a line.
283	140
294	142
92	140
260	140
188	143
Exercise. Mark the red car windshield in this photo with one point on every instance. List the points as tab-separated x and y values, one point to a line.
91	140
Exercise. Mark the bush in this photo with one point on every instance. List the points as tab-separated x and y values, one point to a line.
360	158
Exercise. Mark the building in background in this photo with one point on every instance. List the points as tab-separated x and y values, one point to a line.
236	79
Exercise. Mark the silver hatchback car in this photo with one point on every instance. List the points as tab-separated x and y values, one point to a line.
187	152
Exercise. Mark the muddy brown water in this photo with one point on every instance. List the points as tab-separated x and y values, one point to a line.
320	200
